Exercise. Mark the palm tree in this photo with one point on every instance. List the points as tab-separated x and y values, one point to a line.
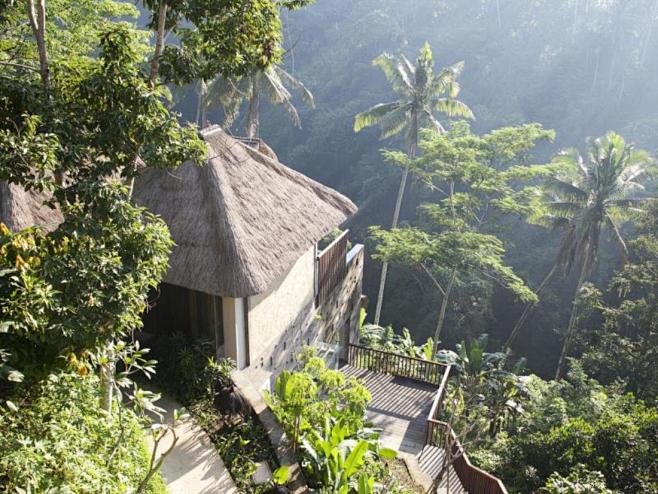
273	82
421	93
599	193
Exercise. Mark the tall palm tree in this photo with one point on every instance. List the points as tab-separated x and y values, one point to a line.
272	82
421	93
600	192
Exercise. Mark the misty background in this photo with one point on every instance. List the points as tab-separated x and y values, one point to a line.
580	67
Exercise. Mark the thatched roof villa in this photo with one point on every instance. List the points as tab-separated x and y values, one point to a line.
244	271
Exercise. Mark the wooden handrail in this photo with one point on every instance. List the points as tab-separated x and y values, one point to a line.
398	365
473	479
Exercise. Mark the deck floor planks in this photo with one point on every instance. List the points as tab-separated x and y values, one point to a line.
400	407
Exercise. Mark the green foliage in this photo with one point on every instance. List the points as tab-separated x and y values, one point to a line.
58	439
622	343
422	92
241	446
189	371
579	481
302	400
577	421
75	33
273	82
76	287
388	340
225	37
336	462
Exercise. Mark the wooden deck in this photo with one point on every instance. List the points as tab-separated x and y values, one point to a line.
400	407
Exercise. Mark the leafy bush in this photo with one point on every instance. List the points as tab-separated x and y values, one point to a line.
577	421
60	439
189	371
303	400
334	458
579	481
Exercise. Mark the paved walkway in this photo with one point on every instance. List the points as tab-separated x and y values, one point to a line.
194	466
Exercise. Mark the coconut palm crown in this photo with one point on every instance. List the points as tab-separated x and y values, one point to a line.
421	93
598	192
273	82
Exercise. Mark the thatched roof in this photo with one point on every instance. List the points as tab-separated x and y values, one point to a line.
241	220
21	209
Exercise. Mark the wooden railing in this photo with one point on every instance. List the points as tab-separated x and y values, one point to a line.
472	478
331	267
397	365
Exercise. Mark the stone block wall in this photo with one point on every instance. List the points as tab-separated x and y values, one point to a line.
334	322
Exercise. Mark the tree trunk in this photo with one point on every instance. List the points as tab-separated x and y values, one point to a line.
396	214
107	371
253	120
442	311
566	346
526	311
159	42
37	17
202	108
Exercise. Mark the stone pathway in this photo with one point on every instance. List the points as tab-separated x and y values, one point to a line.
194	466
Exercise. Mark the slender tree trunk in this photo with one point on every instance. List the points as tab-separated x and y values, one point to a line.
202	108
253	119
647	39
527	310
37	17
159	42
107	371
500	20
571	328
442	311
396	214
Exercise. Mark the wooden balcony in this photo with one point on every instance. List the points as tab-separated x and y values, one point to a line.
331	267
408	395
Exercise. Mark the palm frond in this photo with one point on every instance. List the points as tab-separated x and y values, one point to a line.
566	190
277	93
289	80
391	67
437	125
272	85
453	108
445	83
564	208
393	122
229	94
620	240
374	115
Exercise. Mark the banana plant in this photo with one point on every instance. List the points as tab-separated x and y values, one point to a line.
334	460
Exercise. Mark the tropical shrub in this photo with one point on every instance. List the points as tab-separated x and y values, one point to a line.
579	481
58	438
571	422
302	400
335	460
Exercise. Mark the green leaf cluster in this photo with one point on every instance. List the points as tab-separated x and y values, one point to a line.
62	441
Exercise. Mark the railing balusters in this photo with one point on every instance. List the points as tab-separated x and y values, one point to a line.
395	364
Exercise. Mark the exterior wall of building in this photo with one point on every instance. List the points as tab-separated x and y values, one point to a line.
330	326
235	341
272	313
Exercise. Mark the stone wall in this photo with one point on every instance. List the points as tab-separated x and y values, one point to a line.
335	322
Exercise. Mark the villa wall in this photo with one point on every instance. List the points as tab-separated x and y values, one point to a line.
274	345
272	313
